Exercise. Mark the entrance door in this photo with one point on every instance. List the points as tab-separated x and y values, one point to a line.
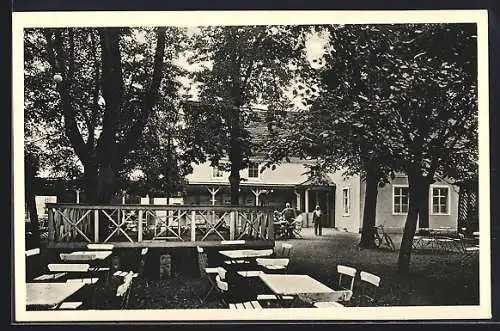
326	201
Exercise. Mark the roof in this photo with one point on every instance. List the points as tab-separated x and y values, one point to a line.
323	180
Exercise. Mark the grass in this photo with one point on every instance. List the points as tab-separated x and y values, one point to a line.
433	279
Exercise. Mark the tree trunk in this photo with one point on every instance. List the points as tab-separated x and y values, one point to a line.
423	215
234	181
235	157
34	225
30	201
369	212
100	186
416	188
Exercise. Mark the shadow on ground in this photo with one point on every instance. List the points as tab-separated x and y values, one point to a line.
434	279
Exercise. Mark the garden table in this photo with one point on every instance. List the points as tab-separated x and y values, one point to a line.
86	255
246	253
302	287
48	295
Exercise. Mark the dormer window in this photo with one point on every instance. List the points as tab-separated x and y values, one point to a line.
253	170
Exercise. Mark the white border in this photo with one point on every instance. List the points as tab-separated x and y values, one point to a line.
192	18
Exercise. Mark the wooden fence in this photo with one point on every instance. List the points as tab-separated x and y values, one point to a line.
137	223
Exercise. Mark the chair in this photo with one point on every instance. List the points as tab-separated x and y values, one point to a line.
33	264
223	288
468	252
32	252
124	289
206	272
245	305
142	262
284	251
221	272
370	285
349	273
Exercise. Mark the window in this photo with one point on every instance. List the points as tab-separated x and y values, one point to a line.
440	200
346	205
218	172
253	170
400	199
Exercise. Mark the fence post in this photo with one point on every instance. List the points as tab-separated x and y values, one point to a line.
96	225
270	226
232	224
139	227
51	224
193	225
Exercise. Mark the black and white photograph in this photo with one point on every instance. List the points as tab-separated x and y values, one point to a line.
251	165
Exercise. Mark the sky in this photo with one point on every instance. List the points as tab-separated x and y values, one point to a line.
314	47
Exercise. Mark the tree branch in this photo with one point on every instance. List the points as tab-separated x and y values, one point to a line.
95	94
70	124
150	97
112	87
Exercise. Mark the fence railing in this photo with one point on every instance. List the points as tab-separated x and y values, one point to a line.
139	223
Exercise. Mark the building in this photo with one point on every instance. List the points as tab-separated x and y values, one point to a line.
340	197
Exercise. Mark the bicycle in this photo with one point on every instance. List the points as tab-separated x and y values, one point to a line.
383	239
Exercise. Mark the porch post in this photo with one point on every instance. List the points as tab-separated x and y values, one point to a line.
297	195
78	195
307	201
213	192
307	207
256	192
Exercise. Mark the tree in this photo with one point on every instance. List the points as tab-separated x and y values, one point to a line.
108	84
159	167
408	102
111	81
31	169
241	67
341	125
435	108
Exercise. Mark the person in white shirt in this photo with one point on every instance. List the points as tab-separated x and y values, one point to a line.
317	220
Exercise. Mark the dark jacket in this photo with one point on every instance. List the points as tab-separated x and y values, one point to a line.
288	214
317	218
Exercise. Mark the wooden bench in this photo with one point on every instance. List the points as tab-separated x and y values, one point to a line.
46	277
83	280
245	305
70	305
101	246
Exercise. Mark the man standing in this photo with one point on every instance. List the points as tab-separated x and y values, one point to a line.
289	216
317	220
